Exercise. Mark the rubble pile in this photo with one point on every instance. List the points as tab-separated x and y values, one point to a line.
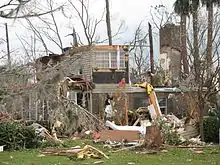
167	129
187	133
4	117
71	119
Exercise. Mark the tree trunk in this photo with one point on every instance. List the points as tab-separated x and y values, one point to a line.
184	44
209	39
153	138
108	22
196	47
201	115
75	42
151	52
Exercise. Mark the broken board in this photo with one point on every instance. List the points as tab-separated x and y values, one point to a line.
119	135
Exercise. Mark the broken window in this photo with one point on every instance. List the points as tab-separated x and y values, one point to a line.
79	97
163	105
140	102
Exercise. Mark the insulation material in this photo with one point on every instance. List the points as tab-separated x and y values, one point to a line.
152	111
113	126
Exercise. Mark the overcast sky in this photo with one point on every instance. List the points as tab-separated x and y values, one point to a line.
130	11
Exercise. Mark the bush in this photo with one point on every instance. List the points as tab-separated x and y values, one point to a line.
16	136
50	143
211	129
170	136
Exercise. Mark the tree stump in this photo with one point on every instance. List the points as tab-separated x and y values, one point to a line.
153	138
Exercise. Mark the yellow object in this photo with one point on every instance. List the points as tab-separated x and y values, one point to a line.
152	96
149	88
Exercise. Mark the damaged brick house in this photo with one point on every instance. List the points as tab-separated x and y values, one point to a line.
79	70
85	75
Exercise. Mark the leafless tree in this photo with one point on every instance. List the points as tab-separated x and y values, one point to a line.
206	87
30	47
89	24
12	9
138	48
45	28
160	16
51	30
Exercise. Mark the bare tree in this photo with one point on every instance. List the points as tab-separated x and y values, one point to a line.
30	47
51	31
205	86
89	24
12	9
138	48
160	16
45	28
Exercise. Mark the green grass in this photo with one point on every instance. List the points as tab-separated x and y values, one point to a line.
173	156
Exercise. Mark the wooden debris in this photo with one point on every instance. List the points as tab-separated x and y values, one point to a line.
119	135
80	153
128	148
184	147
98	162
131	163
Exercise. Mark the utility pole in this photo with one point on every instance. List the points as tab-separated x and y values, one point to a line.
8	47
151	54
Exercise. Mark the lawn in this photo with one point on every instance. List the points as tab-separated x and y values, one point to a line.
173	156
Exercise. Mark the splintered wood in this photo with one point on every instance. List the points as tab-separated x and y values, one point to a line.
80	153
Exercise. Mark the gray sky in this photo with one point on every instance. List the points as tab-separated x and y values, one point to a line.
130	11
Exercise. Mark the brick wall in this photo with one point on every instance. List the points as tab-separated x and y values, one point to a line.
170	36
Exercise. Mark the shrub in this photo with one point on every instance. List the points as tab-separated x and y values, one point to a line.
16	136
51	143
211	129
170	136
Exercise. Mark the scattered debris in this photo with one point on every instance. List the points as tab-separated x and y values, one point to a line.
113	126
119	135
129	148
40	155
42	131
78	152
197	150
1	148
4	117
131	163
164	151
196	141
98	162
